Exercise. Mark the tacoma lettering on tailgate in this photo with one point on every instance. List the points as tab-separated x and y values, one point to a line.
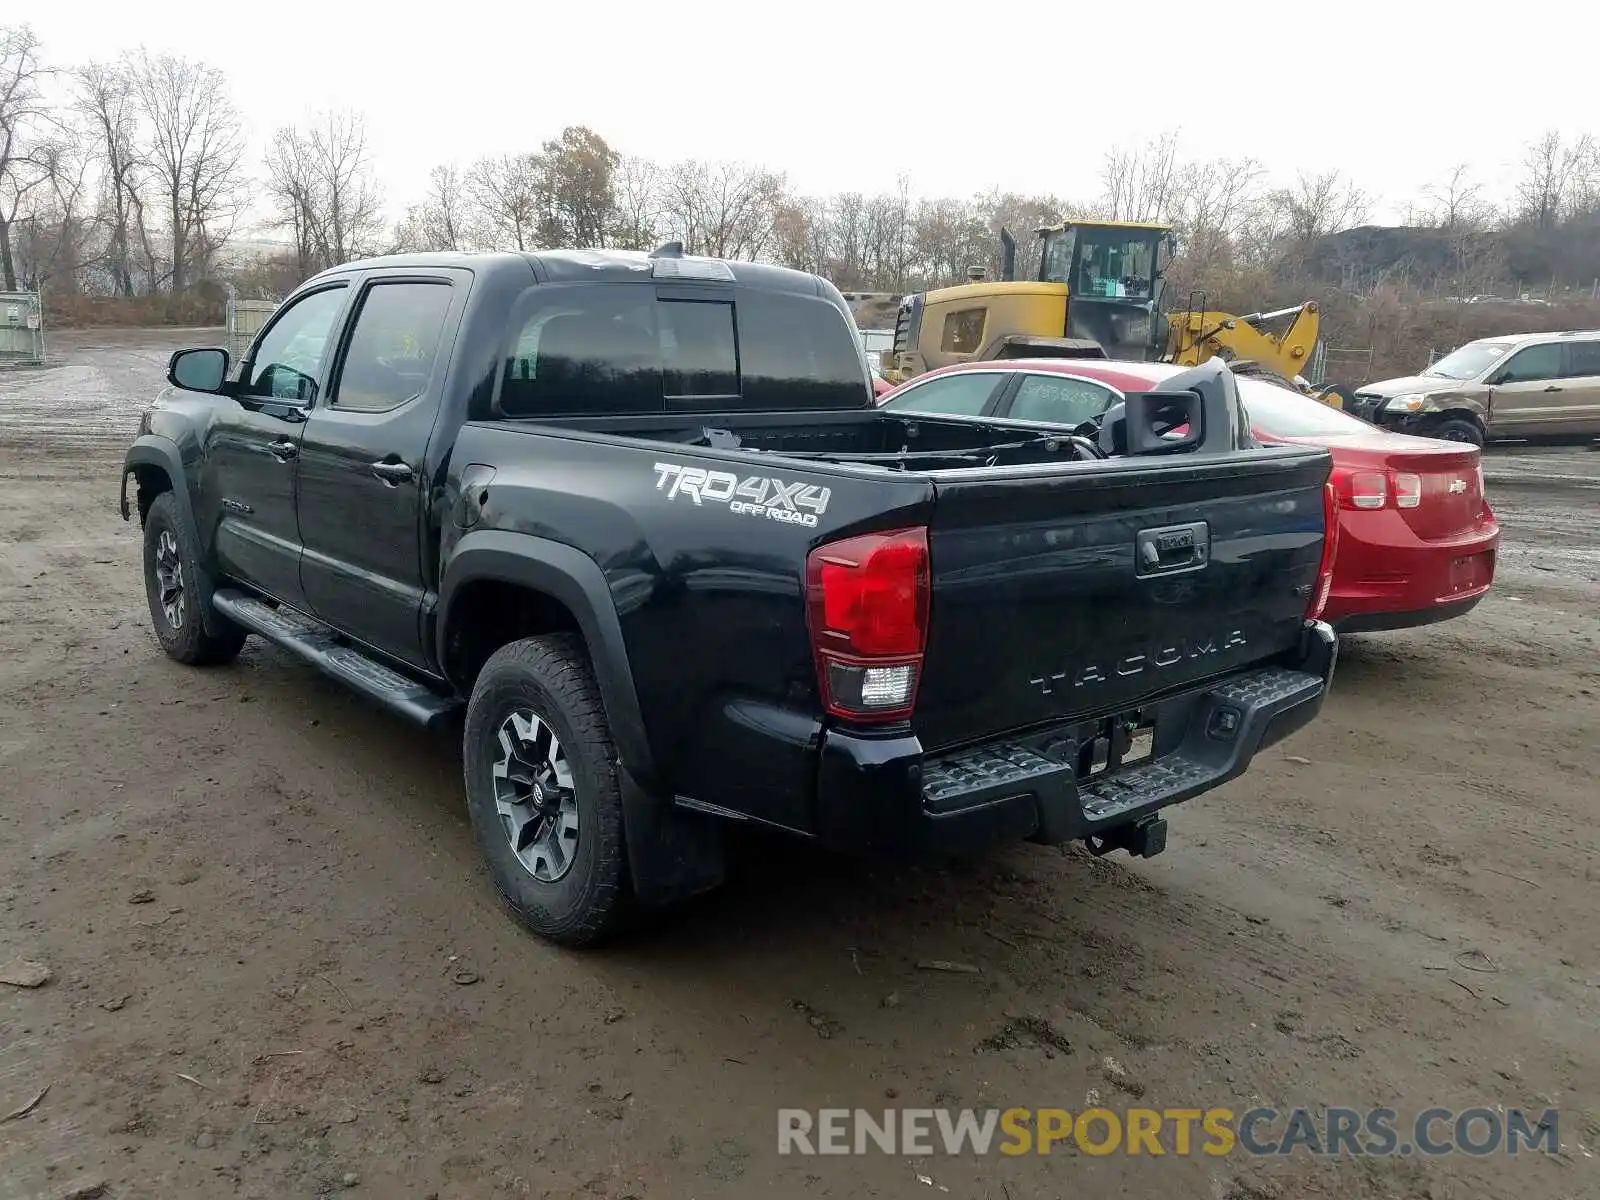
747	495
1169	655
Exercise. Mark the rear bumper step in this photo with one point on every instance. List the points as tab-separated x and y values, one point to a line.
1029	786
1223	729
322	648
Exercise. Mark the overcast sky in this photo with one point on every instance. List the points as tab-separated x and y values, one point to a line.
848	96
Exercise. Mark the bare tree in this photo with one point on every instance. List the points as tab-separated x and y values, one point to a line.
292	182
947	237
506	191
352	204
1217	208
442	221
195	154
887	232
22	115
1314	207
636	182
322	184
1457	201
1022	217
1136	183
104	100
1219	197
1557	177
847	225
55	235
725	210
799	239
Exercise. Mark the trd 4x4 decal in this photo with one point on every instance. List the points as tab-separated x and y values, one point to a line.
748	495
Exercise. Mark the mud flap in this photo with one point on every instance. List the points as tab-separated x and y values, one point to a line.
672	853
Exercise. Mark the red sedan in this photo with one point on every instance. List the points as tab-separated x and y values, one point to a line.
1417	539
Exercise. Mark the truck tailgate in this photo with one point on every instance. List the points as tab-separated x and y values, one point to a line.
1089	592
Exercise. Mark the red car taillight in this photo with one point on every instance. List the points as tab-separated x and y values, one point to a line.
1330	544
1361	489
867	608
1371	489
1407	490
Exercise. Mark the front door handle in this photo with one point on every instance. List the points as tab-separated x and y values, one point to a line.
392	473
283	450
1552	388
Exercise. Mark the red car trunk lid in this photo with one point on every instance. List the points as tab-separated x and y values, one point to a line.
1451	500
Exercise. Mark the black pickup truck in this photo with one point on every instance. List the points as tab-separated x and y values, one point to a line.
637	518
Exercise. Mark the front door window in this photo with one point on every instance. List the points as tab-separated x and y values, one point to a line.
393	348
1533	365
287	363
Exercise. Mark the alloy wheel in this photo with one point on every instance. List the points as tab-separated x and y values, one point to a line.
535	796
169	578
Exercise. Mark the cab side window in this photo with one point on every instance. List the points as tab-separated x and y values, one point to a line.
394	346
1532	365
287	362
1583	359
1059	400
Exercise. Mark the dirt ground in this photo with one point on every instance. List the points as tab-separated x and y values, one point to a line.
279	971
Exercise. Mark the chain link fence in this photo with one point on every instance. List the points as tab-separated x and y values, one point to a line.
244	320
1344	364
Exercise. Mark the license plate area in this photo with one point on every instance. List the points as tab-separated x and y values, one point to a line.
1468	572
1115	742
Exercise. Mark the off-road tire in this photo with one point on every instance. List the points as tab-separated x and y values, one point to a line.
1458	429
550	678
167	535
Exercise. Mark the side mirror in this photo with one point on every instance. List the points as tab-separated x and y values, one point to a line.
200	370
1166	251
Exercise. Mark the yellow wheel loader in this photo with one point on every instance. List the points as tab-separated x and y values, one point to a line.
1097	292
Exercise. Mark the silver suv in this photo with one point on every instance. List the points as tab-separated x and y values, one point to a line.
1520	385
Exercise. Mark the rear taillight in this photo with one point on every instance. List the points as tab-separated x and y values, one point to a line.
1330	544
867	607
1361	489
1372	489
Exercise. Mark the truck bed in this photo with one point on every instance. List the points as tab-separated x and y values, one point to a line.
891	441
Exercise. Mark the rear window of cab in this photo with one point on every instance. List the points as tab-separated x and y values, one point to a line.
614	348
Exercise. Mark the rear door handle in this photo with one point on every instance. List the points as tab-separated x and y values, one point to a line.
1552	388
283	450
392	472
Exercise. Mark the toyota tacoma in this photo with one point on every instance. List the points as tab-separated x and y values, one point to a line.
634	521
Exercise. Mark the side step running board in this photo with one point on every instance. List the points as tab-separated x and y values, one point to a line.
319	646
